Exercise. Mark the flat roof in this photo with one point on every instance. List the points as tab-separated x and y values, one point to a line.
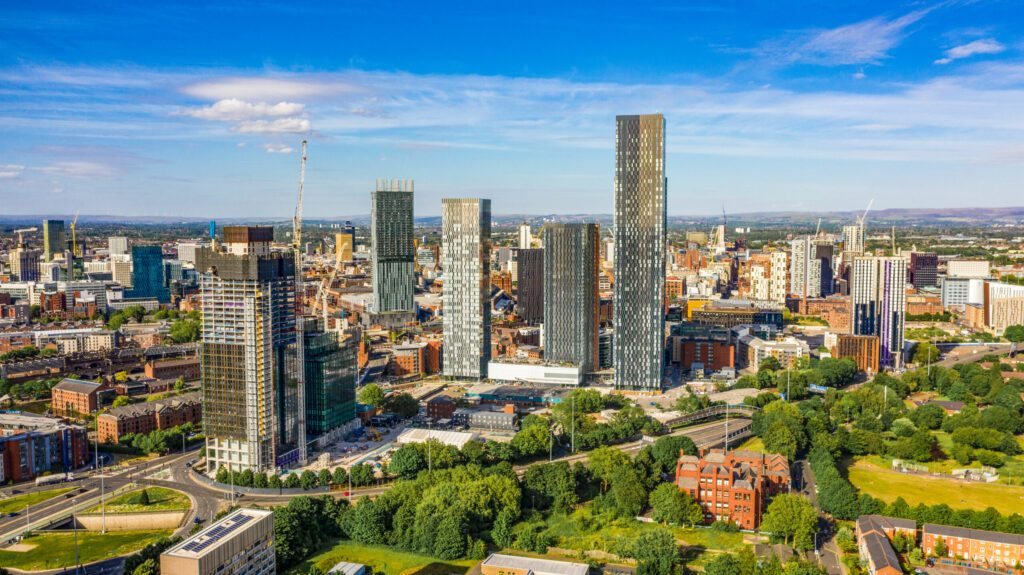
346	568
420	435
203	542
537	566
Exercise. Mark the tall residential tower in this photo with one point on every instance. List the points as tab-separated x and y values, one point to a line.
572	305
640	204
878	298
392	247
466	256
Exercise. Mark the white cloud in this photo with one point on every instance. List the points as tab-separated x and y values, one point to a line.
859	75
865	42
263	88
279	126
10	170
984	46
233	109
79	169
277	149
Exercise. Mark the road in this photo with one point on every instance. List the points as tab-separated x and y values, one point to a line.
828	551
967	354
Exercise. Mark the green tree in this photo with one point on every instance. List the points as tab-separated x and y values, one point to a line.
121	401
148	567
501	532
780	439
1014	333
144	497
450	542
627	493
121	376
656	553
324	477
406	461
604	461
667	449
403	404
940	549
185	331
340	476
670	504
308	480
925	353
793	519
371	394
722	564
770	363
531	441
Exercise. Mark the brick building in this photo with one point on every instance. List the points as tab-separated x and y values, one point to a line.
408	359
863	349
996	549
186	368
74	397
32	445
711	348
149	416
733	486
874	540
924	303
834	309
440	407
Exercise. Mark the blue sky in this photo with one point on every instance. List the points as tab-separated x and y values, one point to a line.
198	109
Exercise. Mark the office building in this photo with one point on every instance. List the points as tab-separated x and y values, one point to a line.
733	486
640	216
241	543
529	265
977	269
862	349
54	239
343	247
466	254
24	264
117	246
878	297
148	279
187	250
525	237
924	269
572	260
247	296
392	248
121	269
330	379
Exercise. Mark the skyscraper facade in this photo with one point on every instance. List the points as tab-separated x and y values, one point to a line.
25	264
530	287
525	237
572	261
248	304
465	298
640	216
924	269
148	280
805	271
878	298
392	247
330	379
853	238
54	239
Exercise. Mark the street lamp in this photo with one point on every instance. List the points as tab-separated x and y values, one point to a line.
74	527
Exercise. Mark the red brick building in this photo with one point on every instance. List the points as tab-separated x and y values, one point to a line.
75	398
441	407
862	349
32	445
408	359
149	416
433	356
186	368
835	310
874	541
991	547
733	486
710	347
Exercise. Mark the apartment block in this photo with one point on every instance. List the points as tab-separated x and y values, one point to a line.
862	349
242	543
874	541
997	549
75	398
149	416
392	248
466	249
32	445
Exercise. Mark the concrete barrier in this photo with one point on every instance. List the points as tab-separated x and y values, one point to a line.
132	521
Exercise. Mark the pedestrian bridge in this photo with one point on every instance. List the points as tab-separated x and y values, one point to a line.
715	411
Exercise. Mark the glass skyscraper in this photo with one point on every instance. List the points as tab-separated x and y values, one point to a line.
640	216
54	239
330	379
148	274
572	257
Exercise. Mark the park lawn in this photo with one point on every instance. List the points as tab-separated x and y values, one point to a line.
19	502
160	499
582	530
753	444
57	550
887	485
383	559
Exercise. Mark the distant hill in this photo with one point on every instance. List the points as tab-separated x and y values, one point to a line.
892	216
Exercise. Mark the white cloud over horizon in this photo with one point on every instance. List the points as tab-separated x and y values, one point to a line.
983	46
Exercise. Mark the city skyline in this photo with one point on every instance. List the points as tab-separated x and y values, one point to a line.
910	104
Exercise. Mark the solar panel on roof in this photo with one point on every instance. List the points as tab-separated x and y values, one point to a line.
215	534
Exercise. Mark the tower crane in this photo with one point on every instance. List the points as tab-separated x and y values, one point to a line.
861	221
74	239
21	237
300	338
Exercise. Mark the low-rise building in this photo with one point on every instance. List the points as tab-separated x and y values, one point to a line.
534	371
242	543
994	548
440	407
498	564
751	350
733	486
712	348
76	398
503	419
864	350
456	439
874	540
186	368
149	416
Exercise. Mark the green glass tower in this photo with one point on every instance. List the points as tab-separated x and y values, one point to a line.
330	380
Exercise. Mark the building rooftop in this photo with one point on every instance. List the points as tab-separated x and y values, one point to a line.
28	421
536	566
346	568
216	533
454	438
137	409
77	385
976	534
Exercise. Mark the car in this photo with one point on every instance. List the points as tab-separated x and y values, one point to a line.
13	514
197	520
919	571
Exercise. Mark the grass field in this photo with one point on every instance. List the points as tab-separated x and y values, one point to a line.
57	550
19	502
867	476
583	531
160	499
386	560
